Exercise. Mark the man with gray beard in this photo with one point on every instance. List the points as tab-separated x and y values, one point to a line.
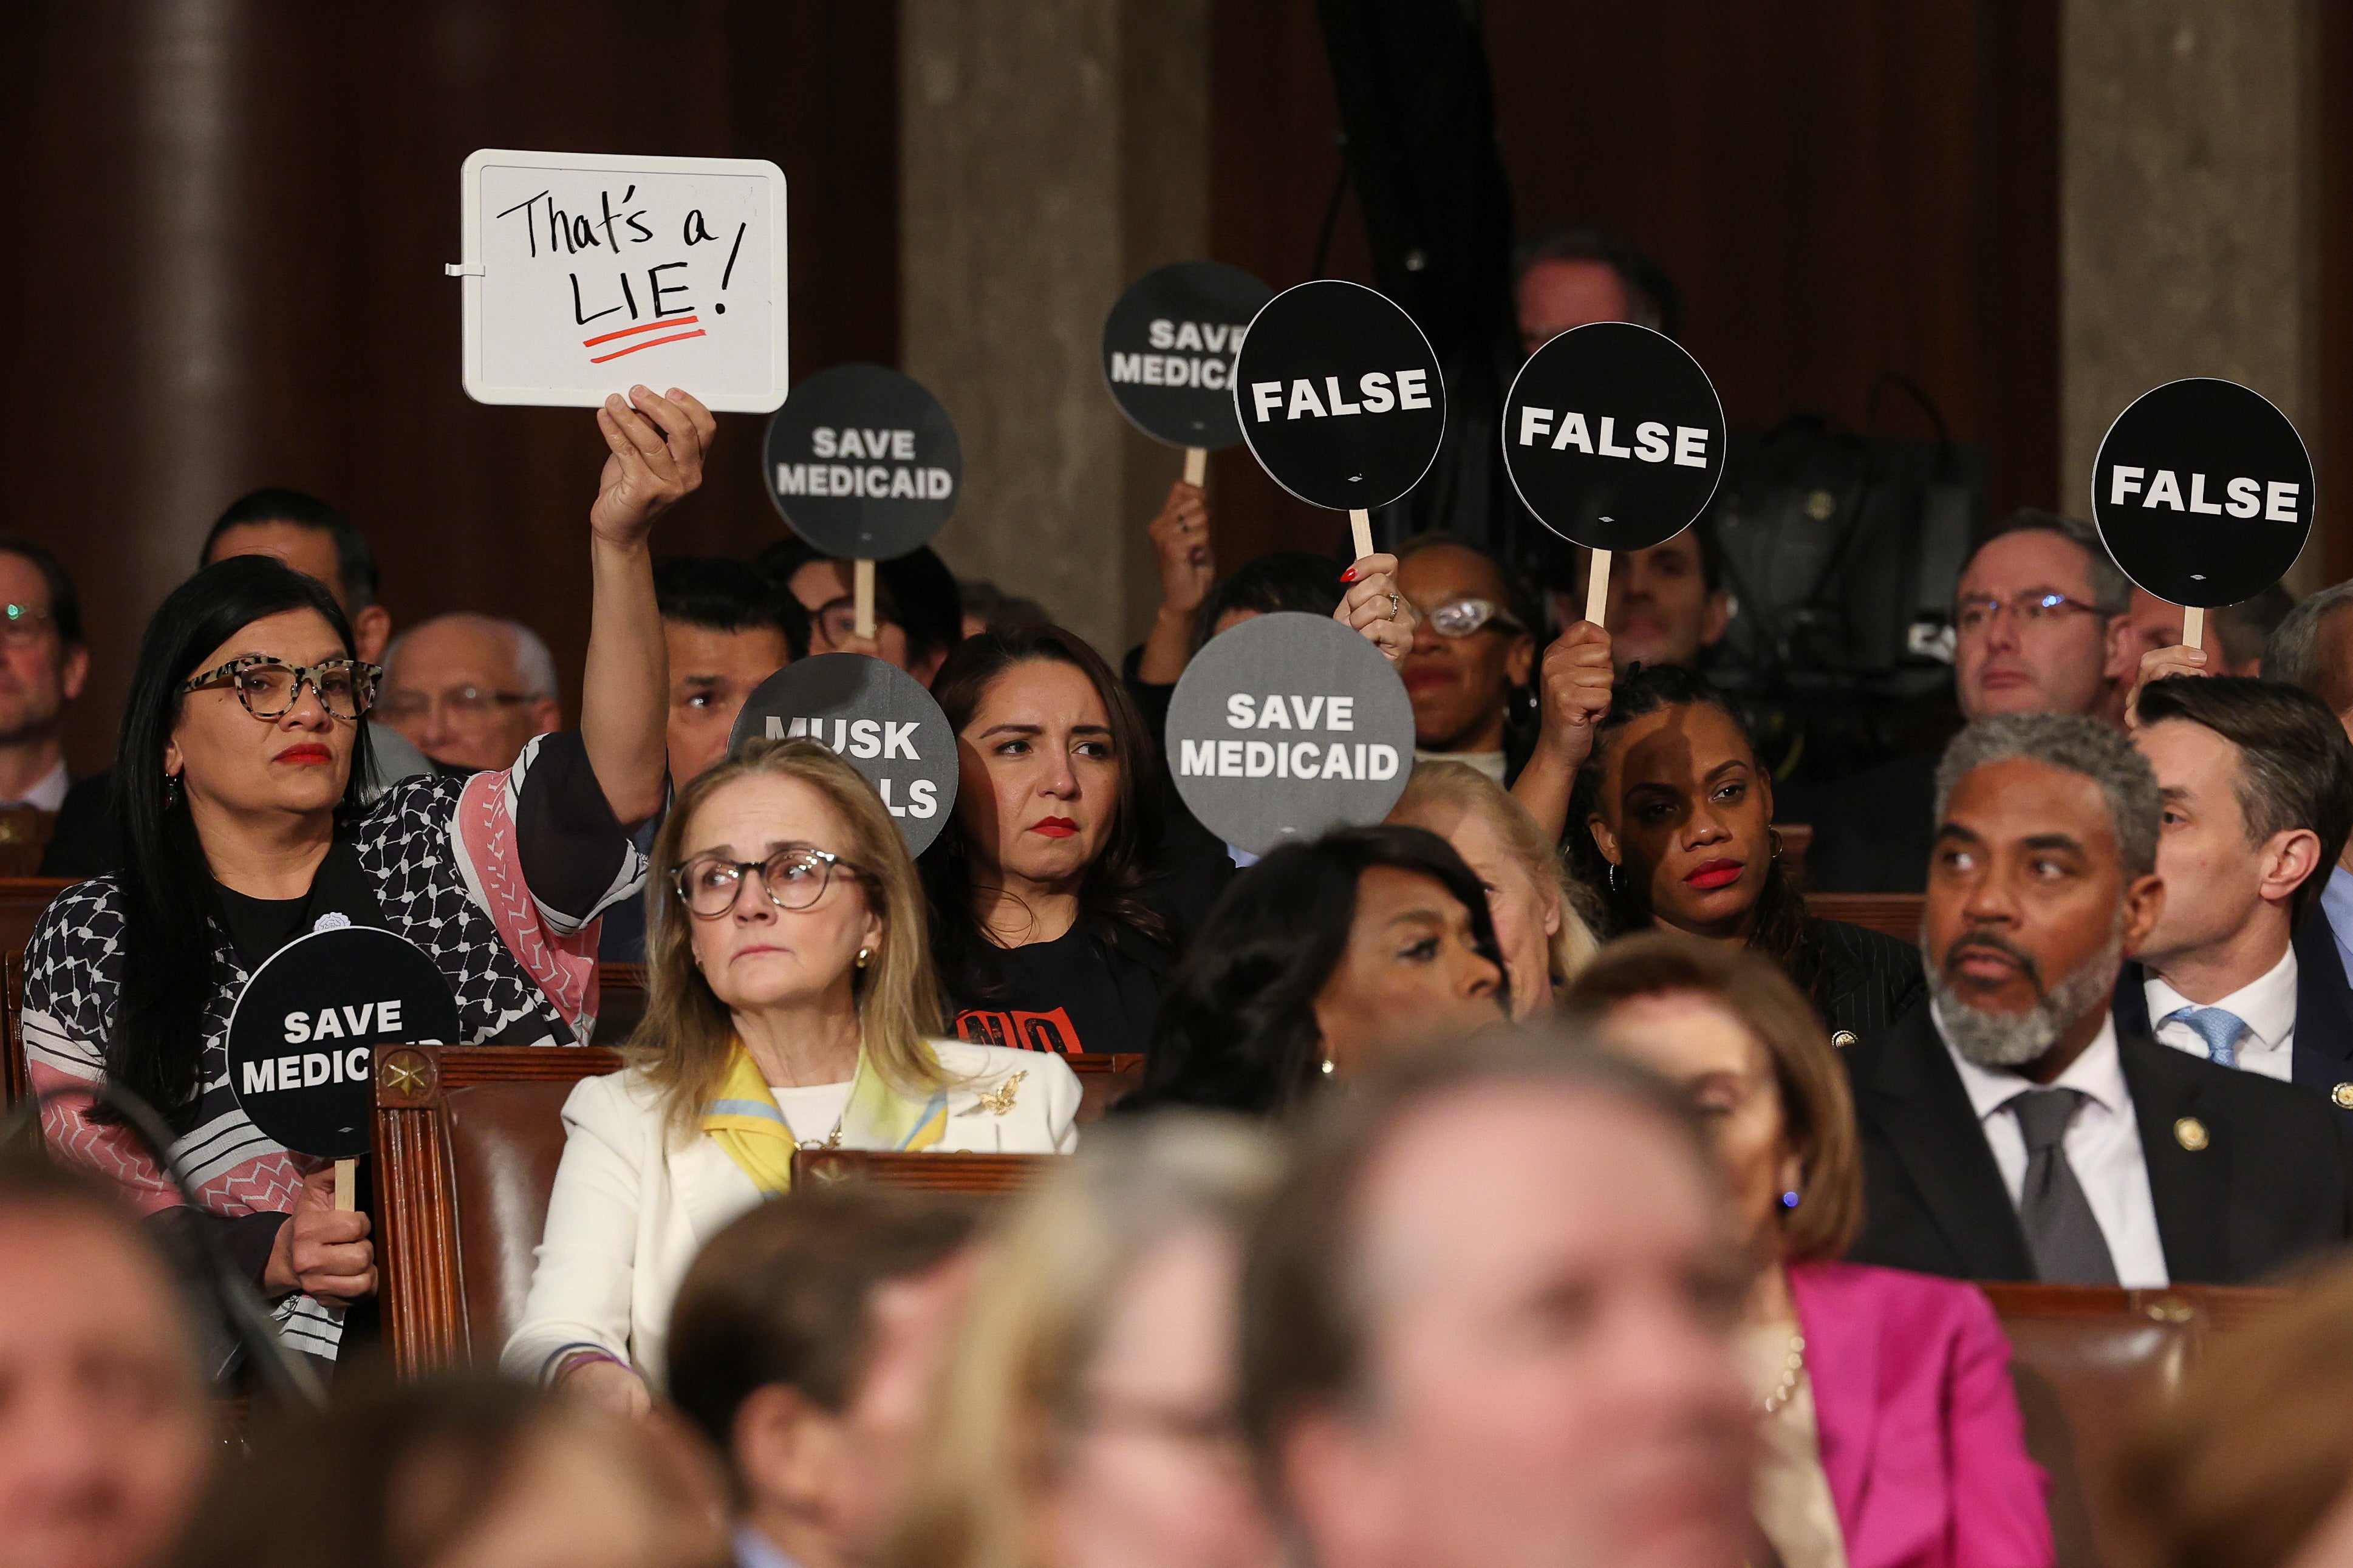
2010	1130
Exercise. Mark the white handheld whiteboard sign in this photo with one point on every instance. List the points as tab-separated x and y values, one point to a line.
586	274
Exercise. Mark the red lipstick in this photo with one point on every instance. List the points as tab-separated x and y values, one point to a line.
306	755
1710	875
1054	826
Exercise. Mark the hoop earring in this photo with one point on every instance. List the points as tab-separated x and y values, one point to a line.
1612	876
1773	836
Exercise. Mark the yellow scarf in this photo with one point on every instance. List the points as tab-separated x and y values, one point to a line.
743	1120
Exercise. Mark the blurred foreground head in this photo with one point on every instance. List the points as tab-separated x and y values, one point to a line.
1087	1417
464	1472
105	1430
809	1337
1486	1321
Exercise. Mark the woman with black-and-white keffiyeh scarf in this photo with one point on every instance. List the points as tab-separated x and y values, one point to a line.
243	830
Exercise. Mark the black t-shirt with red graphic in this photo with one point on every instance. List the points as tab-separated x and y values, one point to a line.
1074	994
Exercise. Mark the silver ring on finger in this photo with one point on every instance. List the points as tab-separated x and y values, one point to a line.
1393	607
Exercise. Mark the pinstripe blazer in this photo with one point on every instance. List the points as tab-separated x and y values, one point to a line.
1868	979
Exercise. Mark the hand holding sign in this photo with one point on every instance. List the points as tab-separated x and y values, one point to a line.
2202	492
583	271
1614	438
301	1046
1340	398
656	460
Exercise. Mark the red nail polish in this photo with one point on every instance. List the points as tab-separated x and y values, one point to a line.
1349	575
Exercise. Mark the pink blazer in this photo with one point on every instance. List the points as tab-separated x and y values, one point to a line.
1921	1438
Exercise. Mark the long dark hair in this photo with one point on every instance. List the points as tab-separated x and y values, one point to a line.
1108	896
166	888
1238	1028
1783	932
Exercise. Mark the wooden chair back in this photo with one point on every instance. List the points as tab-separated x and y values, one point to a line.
1897	914
621	1003
466	1142
976	1176
24	832
2082	1359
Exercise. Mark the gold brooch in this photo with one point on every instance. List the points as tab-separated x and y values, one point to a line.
1000	1099
2190	1133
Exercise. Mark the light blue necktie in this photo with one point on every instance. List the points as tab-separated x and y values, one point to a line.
2218	1027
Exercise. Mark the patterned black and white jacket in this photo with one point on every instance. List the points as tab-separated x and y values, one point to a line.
499	877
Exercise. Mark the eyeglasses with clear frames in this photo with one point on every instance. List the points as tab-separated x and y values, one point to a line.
268	688
794	877
1461	617
2033	608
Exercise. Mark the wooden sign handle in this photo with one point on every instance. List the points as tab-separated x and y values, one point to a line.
2193	626
1197	466
1360	523
346	1173
862	587
1596	588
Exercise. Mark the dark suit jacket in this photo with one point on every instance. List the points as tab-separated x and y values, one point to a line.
2272	1185
1868	979
2323	1056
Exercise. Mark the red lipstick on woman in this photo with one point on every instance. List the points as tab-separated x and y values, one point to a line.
1710	875
1054	826
307	754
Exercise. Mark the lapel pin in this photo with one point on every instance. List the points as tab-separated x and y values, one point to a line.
2190	1133
2343	1095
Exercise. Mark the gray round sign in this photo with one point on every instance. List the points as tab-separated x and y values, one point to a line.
878	718
1286	726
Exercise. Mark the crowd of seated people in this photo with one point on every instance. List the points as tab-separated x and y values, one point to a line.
1531	1176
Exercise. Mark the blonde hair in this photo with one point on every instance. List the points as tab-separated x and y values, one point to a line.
1013	1393
684	1043
1432	788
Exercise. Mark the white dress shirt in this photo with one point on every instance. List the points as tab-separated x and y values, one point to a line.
2102	1145
50	793
2266	1006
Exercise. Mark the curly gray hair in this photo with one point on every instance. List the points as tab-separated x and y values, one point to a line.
2078	745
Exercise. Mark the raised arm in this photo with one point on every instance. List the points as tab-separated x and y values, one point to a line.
658	446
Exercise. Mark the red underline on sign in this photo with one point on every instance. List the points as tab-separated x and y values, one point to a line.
640	327
648	344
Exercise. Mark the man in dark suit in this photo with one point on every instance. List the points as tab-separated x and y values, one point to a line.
2257	779
2011	1130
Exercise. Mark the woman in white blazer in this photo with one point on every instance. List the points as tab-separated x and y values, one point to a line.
790	1002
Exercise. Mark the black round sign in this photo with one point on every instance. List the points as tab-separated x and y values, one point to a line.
2202	491
1287	725
876	717
1614	436
863	462
302	1039
1339	395
1168	349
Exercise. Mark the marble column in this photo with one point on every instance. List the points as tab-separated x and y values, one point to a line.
1050	151
2189	233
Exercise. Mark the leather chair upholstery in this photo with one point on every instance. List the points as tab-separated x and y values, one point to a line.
2084	1359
